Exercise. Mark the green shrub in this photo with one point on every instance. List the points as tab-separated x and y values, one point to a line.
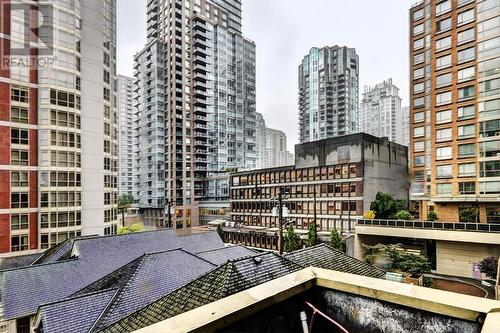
432	216
404	215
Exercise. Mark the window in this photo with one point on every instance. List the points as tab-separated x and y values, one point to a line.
443	188
489	68
418	146
466	188
418	102
443	43
466	36
443	62
444	153
490	169
466	112
466	74
489	128
463	2
466	93
19	200
418	117
443	25
19	157
418	73
443	135
489	187
19	222
466	131
19	243
418	160
488	48
443	117
488	28
19	179
444	171
443	7
418	88
443	80
489	108
467	170
489	88
466	55
489	149
465	17
418	14
18	115
443	98
418	44
418	132
418	29
19	136
467	150
19	94
418	58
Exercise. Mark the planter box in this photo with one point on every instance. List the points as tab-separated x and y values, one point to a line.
415	280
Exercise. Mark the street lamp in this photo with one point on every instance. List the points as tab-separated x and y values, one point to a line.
280	211
169	209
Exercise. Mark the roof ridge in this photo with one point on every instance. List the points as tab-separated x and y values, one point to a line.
196	256
76	296
51	251
119	294
217	249
39	265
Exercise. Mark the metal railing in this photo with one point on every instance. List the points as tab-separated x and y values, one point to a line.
435	225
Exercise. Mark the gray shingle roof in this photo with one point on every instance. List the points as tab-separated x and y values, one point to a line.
222	255
96	258
74	315
228	279
324	256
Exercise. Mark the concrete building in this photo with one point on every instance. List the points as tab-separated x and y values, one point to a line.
276	153
125	115
335	179
260	140
406	126
209	102
58	165
381	114
149	133
454	107
328	93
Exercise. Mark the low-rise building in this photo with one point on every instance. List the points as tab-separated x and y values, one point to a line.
332	182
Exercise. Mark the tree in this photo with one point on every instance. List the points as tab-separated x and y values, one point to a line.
399	260
404	215
468	215
489	267
136	227
312	236
383	206
369	215
220	231
124	203
291	240
336	241
412	263
432	216
400	205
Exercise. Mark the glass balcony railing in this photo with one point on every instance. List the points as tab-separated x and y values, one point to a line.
450	226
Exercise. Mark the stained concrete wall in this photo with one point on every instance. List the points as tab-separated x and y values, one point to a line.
384	163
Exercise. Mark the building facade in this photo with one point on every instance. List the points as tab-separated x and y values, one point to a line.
57	122
125	116
328	93
276	154
455	117
260	140
149	133
208	103
335	179
381	114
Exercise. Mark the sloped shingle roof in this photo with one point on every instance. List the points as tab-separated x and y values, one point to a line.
324	256
96	258
222	255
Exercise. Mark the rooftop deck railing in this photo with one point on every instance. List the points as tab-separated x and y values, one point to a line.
434	225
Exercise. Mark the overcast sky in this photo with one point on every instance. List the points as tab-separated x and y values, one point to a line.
285	30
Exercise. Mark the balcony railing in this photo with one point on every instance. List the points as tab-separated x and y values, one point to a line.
450	226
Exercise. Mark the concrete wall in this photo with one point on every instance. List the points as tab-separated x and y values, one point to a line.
457	258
